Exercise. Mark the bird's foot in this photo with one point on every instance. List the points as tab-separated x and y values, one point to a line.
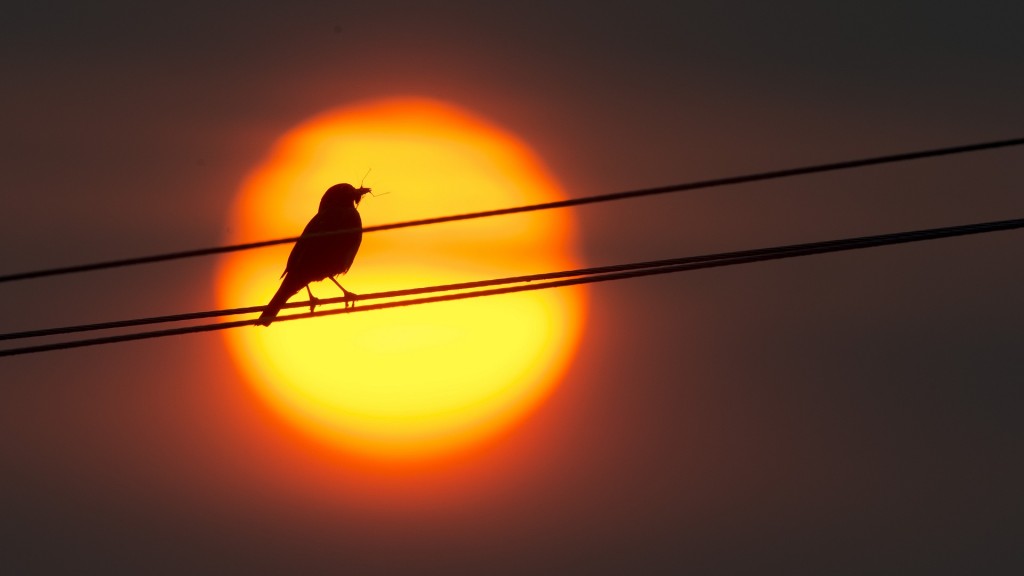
313	300
350	298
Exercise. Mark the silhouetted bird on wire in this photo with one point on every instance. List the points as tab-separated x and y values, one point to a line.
317	257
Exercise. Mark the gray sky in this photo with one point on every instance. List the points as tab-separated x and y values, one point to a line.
838	414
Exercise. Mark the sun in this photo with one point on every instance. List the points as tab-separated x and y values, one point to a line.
422	382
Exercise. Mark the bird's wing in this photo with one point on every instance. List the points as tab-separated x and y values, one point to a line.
304	246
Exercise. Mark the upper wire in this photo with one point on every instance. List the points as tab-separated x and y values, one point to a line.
700	184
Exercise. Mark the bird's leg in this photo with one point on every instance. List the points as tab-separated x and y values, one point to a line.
349	300
313	300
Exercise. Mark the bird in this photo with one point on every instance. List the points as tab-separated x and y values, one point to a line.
318	255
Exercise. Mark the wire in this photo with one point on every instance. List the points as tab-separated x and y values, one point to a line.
593	275
386	294
700	184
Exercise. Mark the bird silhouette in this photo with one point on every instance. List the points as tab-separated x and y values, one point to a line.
316	255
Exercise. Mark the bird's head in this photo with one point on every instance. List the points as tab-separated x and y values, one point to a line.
342	196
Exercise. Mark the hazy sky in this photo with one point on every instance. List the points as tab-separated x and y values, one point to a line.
837	414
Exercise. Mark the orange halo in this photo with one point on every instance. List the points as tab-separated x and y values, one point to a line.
424	381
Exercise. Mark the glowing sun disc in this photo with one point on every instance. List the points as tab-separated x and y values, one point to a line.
422	381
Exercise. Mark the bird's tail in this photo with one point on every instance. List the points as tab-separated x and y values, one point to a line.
280	297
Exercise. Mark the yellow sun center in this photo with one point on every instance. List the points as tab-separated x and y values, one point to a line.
416	382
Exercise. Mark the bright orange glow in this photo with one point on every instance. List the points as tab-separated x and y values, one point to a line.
426	381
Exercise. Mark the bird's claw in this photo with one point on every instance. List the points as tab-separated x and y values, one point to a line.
350	298
313	301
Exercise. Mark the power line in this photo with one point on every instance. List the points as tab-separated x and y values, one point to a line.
593	275
700	184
